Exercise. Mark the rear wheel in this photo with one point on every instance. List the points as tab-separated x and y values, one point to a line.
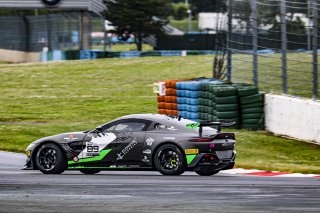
50	159
169	160
206	171
90	171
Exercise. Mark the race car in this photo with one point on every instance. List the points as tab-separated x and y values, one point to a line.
170	145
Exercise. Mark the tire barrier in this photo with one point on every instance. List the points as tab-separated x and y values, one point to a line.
214	100
251	106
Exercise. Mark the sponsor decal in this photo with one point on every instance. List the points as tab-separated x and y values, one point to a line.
192	125
123	136
172	128
191	151
169	138
149	141
227	144
145	159
127	149
147	151
70	138
96	145
160	126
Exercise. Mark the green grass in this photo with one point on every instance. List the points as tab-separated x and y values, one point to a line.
124	47
183	25
38	100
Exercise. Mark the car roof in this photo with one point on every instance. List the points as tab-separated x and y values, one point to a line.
160	118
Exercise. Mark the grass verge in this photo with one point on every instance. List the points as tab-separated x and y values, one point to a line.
38	100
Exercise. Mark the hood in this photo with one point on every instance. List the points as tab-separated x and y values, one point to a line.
64	137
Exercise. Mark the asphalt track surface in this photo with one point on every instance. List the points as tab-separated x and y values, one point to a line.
31	191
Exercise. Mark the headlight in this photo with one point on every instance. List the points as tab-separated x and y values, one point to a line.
28	153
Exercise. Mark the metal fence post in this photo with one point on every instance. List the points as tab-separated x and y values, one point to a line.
229	34
254	41
314	7
283	21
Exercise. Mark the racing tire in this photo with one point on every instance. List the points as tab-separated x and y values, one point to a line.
227	107
253	105
50	159
225	91
169	160
248	91
90	171
227	100
206	171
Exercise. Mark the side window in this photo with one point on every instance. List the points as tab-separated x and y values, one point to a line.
129	127
110	129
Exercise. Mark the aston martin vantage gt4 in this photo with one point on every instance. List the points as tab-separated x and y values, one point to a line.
170	145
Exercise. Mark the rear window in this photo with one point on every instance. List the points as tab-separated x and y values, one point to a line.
176	124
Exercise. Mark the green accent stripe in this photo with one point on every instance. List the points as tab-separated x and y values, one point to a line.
190	158
102	154
98	167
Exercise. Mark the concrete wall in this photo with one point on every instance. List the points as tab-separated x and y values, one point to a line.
19	56
293	117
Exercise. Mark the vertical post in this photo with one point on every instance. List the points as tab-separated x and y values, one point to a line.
254	41
49	32
314	7
283	11
84	31
229	34
80	34
27	33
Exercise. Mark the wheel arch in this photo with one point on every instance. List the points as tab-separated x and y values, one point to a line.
34	153
167	143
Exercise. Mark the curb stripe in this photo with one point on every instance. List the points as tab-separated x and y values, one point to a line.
255	172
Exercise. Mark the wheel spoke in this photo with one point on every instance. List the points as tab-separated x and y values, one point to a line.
168	159
47	158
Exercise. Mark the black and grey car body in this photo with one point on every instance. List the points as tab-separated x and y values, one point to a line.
170	145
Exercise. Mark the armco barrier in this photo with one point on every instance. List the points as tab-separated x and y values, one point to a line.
293	117
58	55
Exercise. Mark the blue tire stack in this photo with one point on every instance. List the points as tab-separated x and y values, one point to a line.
188	99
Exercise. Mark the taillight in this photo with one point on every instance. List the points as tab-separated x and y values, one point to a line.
201	140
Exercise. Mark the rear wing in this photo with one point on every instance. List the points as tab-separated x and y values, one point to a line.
221	123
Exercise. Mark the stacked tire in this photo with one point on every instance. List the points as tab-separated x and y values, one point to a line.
167	104
226	105
252	107
204	97
188	99
207	105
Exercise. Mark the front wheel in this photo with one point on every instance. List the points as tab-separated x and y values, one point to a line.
169	160
90	171
206	171
50	159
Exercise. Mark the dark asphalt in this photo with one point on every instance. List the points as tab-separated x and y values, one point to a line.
31	191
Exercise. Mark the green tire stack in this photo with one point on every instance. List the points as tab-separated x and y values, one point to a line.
226	105
251	107
204	98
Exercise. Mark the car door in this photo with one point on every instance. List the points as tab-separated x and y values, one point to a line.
130	137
